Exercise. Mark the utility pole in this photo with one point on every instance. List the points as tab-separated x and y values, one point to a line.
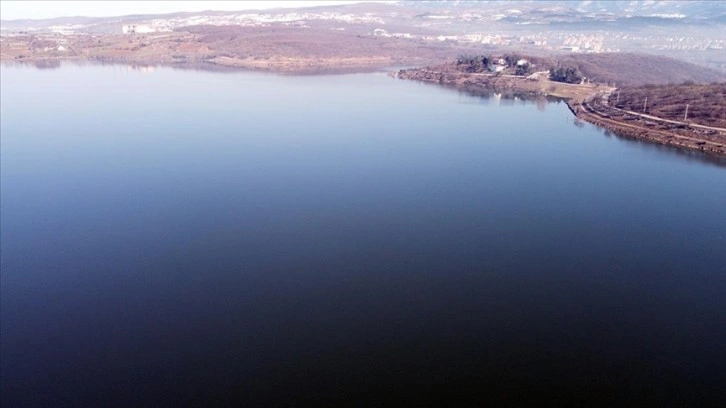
617	101
645	105
685	117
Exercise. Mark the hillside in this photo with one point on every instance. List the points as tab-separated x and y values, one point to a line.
706	103
638	69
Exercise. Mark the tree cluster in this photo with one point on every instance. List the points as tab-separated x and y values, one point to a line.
567	75
511	59
473	64
524	69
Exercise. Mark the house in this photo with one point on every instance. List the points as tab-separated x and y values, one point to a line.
570	48
522	62
137	29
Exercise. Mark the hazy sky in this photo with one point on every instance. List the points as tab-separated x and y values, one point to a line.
14	10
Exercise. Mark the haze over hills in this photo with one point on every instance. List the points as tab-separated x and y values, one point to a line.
598	8
517	12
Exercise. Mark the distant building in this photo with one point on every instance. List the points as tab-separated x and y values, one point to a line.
473	37
522	62
570	48
137	29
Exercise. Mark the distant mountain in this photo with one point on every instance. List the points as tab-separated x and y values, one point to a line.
699	10
664	9
520	12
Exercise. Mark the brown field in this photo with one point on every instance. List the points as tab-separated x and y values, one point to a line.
706	103
621	69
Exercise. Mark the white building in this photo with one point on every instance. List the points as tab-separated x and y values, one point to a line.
473	37
137	29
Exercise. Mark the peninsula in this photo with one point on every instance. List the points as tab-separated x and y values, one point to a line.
622	110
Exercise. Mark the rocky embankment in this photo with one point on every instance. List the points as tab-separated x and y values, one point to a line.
684	136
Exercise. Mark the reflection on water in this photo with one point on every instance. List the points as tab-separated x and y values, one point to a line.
504	97
496	97
686	154
36	63
186	66
143	68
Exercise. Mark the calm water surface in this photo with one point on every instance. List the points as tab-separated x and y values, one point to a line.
190	238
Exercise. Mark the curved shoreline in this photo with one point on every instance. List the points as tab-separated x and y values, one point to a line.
586	111
582	100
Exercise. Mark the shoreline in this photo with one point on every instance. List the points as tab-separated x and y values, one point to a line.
281	65
587	112
583	100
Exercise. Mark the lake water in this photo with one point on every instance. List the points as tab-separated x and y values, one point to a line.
191	238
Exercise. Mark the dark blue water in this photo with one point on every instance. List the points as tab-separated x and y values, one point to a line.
190	238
